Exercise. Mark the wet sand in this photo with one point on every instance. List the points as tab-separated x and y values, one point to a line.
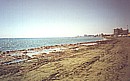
106	60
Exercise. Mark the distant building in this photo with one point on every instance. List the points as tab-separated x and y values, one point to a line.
120	32
105	35
85	35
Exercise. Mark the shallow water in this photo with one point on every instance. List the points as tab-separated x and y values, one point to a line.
47	51
15	61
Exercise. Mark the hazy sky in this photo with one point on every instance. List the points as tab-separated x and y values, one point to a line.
57	18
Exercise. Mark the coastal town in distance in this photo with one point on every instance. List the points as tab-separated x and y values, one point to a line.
118	32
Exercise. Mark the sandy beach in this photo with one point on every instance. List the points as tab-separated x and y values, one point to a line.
106	60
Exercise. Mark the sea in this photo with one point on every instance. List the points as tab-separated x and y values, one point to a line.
9	44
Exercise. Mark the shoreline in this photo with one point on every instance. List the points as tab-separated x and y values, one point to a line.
43	51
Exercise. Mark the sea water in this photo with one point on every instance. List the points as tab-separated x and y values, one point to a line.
7	44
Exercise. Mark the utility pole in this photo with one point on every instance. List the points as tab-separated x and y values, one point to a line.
127	26
127	29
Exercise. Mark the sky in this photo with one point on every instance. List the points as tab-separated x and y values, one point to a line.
61	18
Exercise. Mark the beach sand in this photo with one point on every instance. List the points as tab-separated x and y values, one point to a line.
107	60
